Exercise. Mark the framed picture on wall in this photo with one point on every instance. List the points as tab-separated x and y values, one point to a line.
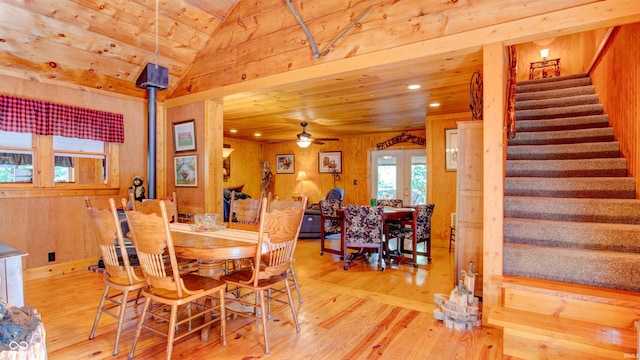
451	149
330	162
285	164
185	170
184	136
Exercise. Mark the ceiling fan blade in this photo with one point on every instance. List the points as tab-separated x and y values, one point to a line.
328	139
317	142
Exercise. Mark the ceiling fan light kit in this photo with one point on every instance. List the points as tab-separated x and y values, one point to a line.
304	138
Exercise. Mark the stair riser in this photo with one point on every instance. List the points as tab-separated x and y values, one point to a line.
551	153
525	345
565	112
590	236
567	168
578	122
558	139
570	308
556	102
594	268
524	87
558	93
580	210
613	188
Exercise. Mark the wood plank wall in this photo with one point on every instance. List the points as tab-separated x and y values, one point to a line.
575	51
616	78
56	223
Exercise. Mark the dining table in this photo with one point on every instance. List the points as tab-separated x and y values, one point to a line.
213	248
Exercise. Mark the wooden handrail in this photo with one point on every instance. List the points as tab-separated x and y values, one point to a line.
511	95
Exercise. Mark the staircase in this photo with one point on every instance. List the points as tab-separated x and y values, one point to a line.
571	229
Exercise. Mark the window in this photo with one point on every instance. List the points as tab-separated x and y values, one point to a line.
76	161
80	161
16	157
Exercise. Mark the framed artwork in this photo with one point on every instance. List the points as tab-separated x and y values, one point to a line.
330	162
184	136
285	164
185	170
451	149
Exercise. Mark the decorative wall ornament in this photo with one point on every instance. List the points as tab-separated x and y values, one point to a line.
475	95
316	53
402	138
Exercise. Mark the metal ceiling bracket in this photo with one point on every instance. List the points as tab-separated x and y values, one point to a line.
317	54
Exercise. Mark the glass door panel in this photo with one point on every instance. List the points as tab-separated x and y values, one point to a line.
400	174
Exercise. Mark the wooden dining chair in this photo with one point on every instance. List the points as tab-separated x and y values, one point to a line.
277	204
277	238
246	211
120	279
183	303
363	228
330	224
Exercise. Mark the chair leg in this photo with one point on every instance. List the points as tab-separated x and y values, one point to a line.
293	308
223	316
99	313
295	282
123	307
172	330
263	313
139	328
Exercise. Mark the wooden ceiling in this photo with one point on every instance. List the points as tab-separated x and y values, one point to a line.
105	44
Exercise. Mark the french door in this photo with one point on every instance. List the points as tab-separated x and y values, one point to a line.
399	174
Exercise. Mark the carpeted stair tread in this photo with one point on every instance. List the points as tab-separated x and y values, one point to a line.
554	79
547	103
565	234
563	137
559	112
615	270
572	123
532	86
623	211
568	168
610	149
572	187
556	93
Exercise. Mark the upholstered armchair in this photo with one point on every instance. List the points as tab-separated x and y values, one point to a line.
311	223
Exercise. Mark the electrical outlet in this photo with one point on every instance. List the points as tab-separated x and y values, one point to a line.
52	256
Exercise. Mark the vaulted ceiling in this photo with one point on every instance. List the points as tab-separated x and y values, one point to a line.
205	44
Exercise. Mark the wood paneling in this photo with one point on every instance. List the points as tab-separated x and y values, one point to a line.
53	220
616	78
575	51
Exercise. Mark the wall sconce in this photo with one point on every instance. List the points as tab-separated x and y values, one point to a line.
226	151
302	176
544	53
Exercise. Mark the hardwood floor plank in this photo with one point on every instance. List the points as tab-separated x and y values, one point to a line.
360	313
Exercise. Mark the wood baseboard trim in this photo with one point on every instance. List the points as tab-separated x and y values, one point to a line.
57	269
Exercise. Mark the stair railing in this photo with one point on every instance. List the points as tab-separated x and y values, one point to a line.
511	94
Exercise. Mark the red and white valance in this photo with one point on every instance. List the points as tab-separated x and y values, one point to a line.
45	118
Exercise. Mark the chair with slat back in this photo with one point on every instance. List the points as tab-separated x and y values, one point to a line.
363	227
168	288
330	224
152	206
277	204
120	276
246	211
277	238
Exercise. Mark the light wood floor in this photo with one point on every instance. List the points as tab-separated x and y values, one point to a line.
356	314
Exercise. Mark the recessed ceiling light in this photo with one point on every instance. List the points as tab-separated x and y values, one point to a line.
233	131
257	134
434	104
413	87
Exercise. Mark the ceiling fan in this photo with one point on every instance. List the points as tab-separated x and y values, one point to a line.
304	138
